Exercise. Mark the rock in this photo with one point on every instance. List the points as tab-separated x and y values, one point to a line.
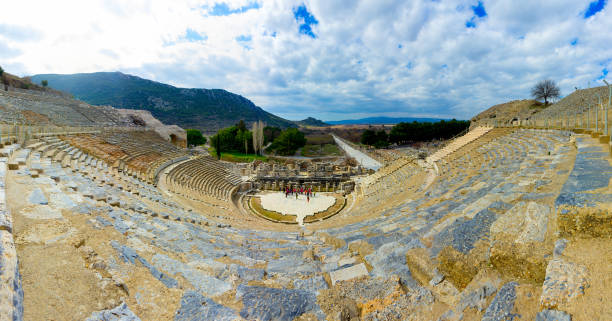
38	197
206	284
11	291
553	315
348	273
313	284
564	281
391	259
267	304
195	306
129	255
477	298
502	305
560	247
247	274
119	313
528	221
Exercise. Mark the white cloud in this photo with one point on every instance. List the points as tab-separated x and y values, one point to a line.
370	57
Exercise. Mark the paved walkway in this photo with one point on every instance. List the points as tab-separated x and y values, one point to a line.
363	159
290	205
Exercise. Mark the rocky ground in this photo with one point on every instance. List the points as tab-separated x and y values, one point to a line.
516	229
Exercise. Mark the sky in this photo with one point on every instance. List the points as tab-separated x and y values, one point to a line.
327	59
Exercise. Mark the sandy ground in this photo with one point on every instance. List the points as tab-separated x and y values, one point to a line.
301	206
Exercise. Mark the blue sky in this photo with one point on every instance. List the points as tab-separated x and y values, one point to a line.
327	59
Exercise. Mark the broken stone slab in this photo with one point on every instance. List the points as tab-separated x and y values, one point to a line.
195	306
38	197
560	247
348	273
119	313
314	284
553	315
502	305
11	292
261	303
564	281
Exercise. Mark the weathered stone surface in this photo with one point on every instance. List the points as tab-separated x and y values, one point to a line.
477	298
266	304
38	197
348	273
119	313
313	284
502	305
11	292
204	283
564	281
390	259
526	221
560	247
195	306
553	315
129	255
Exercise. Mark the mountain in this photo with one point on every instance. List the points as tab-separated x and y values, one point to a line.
381	121
206	109
310	121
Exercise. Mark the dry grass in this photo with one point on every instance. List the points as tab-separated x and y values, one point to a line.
255	206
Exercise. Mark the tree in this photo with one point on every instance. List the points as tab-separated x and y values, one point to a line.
194	137
258	136
44	83
289	141
368	137
545	89
3	78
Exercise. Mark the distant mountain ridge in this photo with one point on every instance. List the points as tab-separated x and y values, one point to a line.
311	121
206	109
381	120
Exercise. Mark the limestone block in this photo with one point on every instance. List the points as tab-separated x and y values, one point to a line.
37	197
553	315
564	281
528	221
195	306
119	313
11	292
348	273
502	305
261	303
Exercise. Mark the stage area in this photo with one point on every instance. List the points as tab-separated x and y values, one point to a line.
301	207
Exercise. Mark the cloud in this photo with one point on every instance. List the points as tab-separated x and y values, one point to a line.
327	59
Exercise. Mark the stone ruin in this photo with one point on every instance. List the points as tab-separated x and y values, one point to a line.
502	224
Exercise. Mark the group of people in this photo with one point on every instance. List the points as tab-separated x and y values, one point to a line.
299	191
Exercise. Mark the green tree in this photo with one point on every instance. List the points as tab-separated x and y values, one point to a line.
195	138
289	141
44	83
368	137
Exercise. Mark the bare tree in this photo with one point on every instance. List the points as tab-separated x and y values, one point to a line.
546	89
255	136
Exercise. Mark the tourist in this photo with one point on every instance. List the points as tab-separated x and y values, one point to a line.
308	198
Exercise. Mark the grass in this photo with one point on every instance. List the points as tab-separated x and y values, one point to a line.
237	157
319	139
321	150
333	210
255	204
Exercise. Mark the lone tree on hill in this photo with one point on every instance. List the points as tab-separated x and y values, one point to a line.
3	78
44	83
546	89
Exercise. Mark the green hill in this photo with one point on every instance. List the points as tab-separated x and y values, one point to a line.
204	109
310	121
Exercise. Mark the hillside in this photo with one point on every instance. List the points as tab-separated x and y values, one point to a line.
204	109
574	101
381	120
506	112
310	121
